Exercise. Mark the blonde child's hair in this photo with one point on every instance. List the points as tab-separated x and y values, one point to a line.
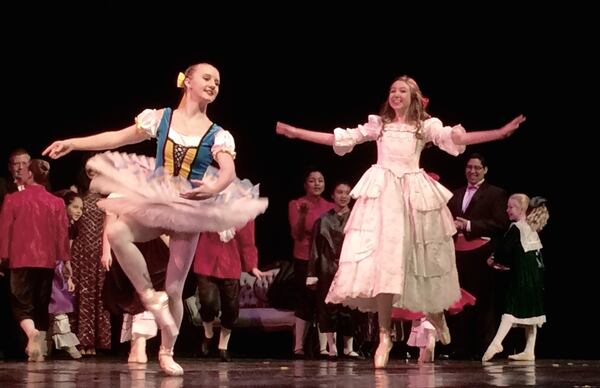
537	212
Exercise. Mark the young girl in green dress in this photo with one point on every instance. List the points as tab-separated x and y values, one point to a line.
519	253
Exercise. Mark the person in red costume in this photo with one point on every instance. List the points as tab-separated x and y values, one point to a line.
219	260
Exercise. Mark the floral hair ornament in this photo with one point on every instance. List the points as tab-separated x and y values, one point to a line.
180	79
537	201
424	102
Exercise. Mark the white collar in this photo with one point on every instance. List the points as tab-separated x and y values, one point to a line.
530	240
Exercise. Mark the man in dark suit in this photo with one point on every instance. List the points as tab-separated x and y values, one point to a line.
479	211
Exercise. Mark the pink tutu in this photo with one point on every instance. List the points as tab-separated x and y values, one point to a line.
152	198
466	299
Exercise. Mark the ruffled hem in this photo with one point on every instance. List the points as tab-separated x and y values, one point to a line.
431	295
466	299
142	324
406	315
417	203
62	335
65	340
419	333
152	198
531	321
424	199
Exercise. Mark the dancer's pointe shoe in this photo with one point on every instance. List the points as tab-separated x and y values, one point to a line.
137	354
427	353
157	302
167	364
438	320
491	351
523	356
382	354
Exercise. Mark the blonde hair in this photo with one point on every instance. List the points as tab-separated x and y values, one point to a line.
190	71
537	217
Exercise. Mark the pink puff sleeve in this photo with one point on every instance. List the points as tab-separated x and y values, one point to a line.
147	121
346	139
223	143
440	135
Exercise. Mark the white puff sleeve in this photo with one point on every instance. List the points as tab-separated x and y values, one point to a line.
148	121
223	143
441	136
346	139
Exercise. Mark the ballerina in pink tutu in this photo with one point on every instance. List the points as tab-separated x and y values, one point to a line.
175	199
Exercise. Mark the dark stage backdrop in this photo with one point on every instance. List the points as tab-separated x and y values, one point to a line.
93	76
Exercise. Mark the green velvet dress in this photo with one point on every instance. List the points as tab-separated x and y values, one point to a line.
520	251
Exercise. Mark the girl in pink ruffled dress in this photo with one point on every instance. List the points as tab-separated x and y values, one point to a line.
398	250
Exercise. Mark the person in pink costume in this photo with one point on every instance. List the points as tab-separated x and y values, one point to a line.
398	250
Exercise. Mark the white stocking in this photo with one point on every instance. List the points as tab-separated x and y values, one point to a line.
348	345
208	329
529	353
182	247
224	338
531	332
503	329
496	345
323	340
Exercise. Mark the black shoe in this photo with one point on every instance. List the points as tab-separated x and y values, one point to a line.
299	356
353	356
461	355
205	346
224	355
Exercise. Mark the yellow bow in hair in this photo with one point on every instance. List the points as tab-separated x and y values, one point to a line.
180	79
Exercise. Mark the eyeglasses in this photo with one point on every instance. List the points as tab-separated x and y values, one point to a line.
476	168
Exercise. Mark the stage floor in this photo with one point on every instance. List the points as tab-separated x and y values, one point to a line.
112	373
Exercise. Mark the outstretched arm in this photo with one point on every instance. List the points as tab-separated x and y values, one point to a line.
102	141
466	138
304	134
